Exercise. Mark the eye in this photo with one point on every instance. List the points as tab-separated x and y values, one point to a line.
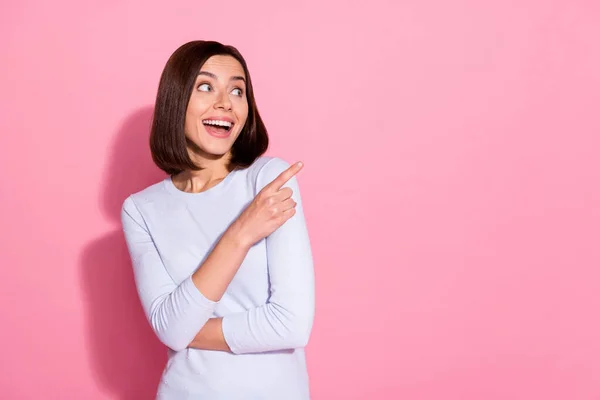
204	87
237	92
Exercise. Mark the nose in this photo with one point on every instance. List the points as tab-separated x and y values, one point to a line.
223	101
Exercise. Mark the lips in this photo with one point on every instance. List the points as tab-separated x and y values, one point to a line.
219	132
219	127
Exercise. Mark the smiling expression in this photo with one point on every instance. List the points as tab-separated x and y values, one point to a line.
218	107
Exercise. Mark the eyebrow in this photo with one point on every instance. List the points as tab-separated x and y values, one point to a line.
233	78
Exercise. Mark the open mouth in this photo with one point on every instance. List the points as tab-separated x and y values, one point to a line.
218	126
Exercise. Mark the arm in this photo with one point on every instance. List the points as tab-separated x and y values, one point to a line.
211	337
177	312
285	321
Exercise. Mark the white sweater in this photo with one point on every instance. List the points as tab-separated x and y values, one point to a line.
267	309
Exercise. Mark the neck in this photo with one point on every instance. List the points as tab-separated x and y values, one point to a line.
212	171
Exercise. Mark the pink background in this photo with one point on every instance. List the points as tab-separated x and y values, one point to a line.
451	188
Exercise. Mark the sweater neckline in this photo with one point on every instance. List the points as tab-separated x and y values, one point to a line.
213	191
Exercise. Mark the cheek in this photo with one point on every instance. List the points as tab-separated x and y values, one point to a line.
195	109
243	111
197	106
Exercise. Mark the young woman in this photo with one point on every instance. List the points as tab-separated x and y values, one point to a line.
220	248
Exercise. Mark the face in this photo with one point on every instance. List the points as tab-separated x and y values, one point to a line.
218	108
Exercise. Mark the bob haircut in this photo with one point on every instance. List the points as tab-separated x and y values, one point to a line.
167	137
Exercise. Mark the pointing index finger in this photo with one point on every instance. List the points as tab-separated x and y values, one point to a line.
285	176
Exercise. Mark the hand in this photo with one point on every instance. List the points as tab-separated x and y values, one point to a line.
270	209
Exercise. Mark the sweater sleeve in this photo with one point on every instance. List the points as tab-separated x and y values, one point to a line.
286	320
175	312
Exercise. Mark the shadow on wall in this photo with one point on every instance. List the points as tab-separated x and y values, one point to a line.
127	359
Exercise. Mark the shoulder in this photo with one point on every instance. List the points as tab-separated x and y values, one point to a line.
269	169
269	164
275	164
262	168
264	163
152	194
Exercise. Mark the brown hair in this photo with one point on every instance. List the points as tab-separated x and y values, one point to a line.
167	137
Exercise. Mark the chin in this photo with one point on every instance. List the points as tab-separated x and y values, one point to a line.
211	146
216	149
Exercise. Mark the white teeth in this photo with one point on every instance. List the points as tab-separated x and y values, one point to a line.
217	123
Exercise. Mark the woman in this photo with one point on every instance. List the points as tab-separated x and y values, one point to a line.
220	250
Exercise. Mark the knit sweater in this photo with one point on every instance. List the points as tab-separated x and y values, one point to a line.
267	309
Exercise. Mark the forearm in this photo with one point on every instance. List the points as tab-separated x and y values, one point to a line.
276	329
269	327
212	279
211	337
218	269
209	282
